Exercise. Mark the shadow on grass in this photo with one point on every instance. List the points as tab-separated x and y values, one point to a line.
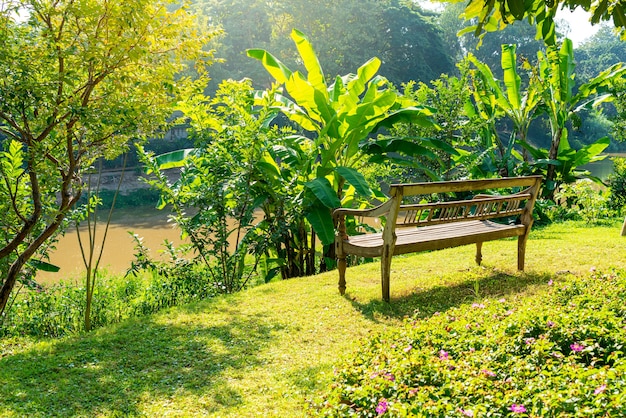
440	298
115	370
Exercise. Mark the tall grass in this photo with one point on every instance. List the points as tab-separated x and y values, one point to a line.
58	310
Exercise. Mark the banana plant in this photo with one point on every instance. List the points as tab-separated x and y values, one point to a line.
569	159
556	75
492	100
341	115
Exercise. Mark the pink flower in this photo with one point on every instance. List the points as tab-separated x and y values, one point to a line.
409	348
577	347
413	392
487	372
550	282
600	389
517	408
478	305
443	355
550	324
382	407
466	412
389	377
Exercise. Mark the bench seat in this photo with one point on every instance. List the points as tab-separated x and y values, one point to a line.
432	237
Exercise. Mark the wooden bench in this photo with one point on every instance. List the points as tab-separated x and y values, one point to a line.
437	225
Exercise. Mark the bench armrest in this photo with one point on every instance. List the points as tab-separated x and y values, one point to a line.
375	212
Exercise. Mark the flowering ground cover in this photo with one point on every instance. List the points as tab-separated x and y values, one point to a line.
556	354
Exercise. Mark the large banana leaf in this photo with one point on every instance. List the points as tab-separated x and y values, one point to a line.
321	221
323	190
272	64
356	179
295	113
356	86
174	159
315	74
512	80
418	115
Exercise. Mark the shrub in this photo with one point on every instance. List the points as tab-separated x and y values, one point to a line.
617	185
561	355
582	199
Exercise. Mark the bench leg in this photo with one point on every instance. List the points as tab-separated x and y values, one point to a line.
479	254
521	251
341	267
385	272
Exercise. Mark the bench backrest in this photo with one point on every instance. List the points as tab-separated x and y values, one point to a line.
481	207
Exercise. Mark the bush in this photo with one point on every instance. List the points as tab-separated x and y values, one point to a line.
617	185
584	200
561	355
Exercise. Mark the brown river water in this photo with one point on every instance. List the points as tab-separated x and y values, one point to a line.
147	222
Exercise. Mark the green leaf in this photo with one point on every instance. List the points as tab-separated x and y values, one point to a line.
43	266
323	190
512	80
320	219
419	115
277	69
591	152
315	74
356	179
173	159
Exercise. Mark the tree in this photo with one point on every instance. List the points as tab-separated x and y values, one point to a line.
494	15
347	33
492	100
78	80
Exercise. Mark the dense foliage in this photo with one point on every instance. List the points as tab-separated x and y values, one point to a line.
80	80
617	185
346	32
497	14
555	355
59	310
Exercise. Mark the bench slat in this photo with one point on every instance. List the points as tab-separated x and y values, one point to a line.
433	237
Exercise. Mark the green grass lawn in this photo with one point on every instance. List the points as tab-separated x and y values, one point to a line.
268	350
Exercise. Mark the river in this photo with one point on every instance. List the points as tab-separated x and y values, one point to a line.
147	222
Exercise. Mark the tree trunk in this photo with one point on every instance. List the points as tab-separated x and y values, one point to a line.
67	202
553	155
22	259
311	263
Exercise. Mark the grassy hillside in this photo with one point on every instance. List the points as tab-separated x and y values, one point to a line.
268	350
